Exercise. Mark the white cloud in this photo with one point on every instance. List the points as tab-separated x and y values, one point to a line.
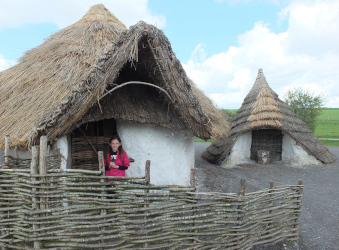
4	64
313	27
41	11
306	55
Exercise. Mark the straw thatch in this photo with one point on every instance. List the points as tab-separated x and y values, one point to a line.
262	109
62	83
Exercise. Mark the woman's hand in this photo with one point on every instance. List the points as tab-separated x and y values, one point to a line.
112	165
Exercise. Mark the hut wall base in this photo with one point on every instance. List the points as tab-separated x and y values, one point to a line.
295	155
241	151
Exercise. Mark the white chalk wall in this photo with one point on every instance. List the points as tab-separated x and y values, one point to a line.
63	143
171	154
294	154
241	150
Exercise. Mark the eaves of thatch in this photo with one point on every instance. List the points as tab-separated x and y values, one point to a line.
262	109
73	77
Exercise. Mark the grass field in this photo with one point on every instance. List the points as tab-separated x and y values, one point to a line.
327	130
328	125
330	143
329	114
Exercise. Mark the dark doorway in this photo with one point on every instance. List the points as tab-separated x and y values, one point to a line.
89	139
267	139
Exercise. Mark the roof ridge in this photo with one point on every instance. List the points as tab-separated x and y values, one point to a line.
265	110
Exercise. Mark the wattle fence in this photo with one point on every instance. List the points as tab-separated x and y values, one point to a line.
45	207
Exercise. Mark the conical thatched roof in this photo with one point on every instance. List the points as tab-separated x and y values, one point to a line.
262	109
60	84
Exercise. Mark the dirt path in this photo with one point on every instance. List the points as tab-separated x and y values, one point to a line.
320	215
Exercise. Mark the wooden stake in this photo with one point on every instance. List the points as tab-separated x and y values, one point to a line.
148	172
6	163
34	171
102	169
192	179
103	192
147	182
43	165
242	187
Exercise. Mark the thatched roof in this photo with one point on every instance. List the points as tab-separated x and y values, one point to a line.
262	109
60	84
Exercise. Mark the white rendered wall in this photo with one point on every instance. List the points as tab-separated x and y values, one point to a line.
171	154
241	151
294	154
63	143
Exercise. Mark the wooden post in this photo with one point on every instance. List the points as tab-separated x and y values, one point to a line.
242	187
6	160
240	213
194	213
102	181
271	188
5	165
271	192
192	179
271	203
43	166
299	191
147	182
148	172
35	206
102	169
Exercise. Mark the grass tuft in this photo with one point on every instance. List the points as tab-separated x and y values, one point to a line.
197	139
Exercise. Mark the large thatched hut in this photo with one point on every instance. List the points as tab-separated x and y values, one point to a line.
96	78
266	123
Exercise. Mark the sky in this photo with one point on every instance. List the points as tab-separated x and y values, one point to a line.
220	43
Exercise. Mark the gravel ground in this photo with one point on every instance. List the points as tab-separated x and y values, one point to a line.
319	220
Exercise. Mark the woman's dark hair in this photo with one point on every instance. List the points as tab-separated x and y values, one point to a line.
120	149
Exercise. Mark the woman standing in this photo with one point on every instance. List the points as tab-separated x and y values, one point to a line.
116	160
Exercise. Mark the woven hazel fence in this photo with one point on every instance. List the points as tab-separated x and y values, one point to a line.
44	207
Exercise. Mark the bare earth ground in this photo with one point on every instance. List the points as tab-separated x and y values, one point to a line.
319	220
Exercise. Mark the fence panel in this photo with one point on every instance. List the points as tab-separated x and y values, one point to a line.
136	214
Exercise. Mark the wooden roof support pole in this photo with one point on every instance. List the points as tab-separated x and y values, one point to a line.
6	160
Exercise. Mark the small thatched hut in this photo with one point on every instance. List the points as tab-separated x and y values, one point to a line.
264	122
95	78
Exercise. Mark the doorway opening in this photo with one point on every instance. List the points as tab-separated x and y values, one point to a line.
267	139
88	140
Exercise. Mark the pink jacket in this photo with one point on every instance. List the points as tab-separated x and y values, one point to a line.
115	171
